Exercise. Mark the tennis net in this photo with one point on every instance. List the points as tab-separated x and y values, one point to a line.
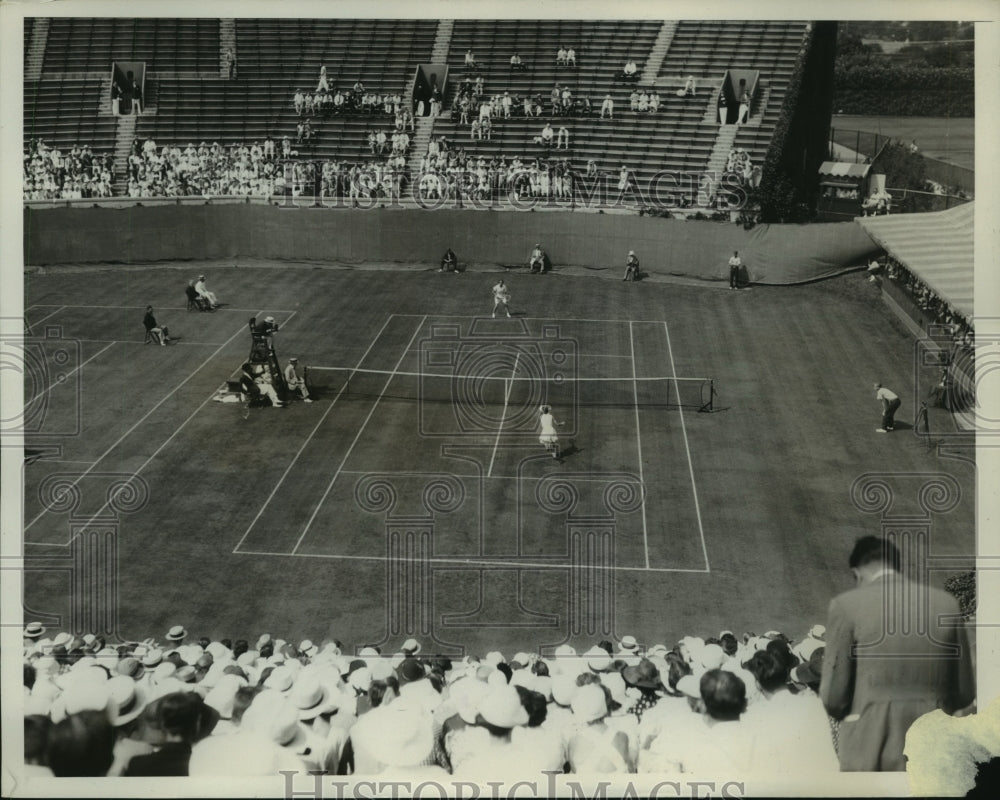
480	391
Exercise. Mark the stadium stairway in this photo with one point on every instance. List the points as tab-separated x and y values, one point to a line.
423	126
442	41
35	52
719	156
227	41
654	60
124	134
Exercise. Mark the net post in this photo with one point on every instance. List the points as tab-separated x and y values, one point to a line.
707	406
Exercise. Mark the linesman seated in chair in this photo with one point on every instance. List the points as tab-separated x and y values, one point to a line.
156	333
256	382
449	263
193	299
538	261
293	381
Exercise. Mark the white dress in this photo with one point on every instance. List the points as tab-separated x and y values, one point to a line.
548	430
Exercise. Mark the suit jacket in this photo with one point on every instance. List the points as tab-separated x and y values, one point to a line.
170	760
895	650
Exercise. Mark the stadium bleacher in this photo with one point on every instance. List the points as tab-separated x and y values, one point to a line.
77	44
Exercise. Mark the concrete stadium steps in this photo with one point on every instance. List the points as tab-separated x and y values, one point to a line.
240	110
646	143
36	33
68	112
227	41
708	48
291	51
654	59
601	51
168	45
442	41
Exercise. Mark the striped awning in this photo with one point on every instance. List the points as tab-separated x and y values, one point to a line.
844	169
936	246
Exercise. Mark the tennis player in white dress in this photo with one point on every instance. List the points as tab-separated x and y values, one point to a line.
501	297
549	439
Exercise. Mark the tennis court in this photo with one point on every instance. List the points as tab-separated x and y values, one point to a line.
413	495
473	433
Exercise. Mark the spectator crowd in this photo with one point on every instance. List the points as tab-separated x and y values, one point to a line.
202	707
717	705
49	173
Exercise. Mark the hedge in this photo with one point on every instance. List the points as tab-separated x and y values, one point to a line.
870	86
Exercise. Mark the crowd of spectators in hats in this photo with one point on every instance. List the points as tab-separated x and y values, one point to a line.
448	172
52	174
963	334
200	707
207	170
356	100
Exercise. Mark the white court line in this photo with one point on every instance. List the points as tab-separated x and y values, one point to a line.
687	450
223	307
543	319
173	341
39	321
474	563
638	441
143	419
503	416
288	469
48	389
581	477
361	430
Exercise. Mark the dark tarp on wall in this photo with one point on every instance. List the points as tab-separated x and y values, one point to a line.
935	246
774	254
782	254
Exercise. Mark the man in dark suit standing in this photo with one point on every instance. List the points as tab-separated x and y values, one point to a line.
895	650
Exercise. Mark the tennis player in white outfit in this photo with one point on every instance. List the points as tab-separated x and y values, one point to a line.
501	297
549	439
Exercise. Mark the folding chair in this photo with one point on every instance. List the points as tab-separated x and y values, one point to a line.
149	337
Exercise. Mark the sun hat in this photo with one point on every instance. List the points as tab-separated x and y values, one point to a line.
127	699
34	630
130	668
467	694
411	647
405	737
218	650
177	632
380	669
280	679
410	670
712	656
590	703
502	707
645	675
306	647
311	697
597	659
360	679
80	696
222	696
690	686
811	670
277	719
